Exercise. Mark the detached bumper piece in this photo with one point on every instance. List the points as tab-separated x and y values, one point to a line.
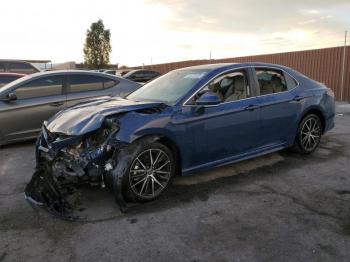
44	192
58	198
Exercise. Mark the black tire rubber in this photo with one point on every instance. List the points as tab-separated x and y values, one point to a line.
126	158
297	146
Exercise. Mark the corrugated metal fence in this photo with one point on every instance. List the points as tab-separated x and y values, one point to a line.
323	65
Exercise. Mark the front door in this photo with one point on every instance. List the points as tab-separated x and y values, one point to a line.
227	130
36	102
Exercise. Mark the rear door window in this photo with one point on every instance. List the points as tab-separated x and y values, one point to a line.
84	83
108	83
271	81
43	87
291	82
139	74
149	74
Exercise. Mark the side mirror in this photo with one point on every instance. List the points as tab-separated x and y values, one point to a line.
11	97
208	99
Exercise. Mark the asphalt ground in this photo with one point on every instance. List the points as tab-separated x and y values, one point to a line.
279	207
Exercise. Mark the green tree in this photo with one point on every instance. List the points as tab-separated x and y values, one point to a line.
97	47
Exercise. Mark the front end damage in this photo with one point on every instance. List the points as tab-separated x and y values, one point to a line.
66	162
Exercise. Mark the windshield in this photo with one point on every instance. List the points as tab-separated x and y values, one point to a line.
170	87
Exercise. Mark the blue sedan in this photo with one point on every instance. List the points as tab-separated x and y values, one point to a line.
185	121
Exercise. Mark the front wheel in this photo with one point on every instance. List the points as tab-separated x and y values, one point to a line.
150	171
308	135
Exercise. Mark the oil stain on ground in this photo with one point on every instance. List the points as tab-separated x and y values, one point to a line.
346	229
2	256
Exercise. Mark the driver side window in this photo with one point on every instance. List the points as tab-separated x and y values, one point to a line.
229	87
46	86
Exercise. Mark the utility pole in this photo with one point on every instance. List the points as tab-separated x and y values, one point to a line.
343	69
210	55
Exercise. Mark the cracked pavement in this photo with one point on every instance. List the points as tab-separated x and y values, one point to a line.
279	207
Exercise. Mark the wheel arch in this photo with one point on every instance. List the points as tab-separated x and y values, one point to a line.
168	142
317	111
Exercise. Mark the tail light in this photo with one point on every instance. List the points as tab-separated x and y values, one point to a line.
330	92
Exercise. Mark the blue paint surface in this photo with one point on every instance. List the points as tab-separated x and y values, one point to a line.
213	135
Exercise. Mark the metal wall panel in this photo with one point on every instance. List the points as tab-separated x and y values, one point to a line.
323	65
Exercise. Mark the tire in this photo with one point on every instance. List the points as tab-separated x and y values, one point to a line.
143	181
308	135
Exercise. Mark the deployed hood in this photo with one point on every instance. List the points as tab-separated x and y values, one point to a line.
88	116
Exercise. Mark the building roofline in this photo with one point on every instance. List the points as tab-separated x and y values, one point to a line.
25	60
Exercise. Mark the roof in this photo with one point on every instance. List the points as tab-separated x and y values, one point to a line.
70	71
11	74
209	66
57	72
228	65
24	60
67	71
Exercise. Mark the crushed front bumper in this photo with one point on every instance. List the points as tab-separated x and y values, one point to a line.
59	200
58	196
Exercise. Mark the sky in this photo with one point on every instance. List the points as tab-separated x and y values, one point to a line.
158	31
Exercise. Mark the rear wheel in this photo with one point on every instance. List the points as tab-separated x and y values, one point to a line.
308	135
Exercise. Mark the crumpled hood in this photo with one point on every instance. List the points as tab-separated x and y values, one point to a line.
88	116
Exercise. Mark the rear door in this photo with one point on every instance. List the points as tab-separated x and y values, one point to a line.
82	87
37	100
279	104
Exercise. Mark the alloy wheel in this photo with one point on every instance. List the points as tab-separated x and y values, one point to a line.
150	173
310	134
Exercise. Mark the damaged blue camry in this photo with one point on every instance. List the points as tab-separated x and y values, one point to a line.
188	120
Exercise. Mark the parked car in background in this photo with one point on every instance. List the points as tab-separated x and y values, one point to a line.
19	67
25	103
186	121
142	76
6	78
107	71
111	72
123	72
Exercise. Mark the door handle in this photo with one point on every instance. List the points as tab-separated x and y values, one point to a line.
251	107
56	104
297	98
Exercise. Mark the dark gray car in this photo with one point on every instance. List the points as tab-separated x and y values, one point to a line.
27	102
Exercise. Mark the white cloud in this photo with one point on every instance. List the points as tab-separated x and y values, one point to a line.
170	30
